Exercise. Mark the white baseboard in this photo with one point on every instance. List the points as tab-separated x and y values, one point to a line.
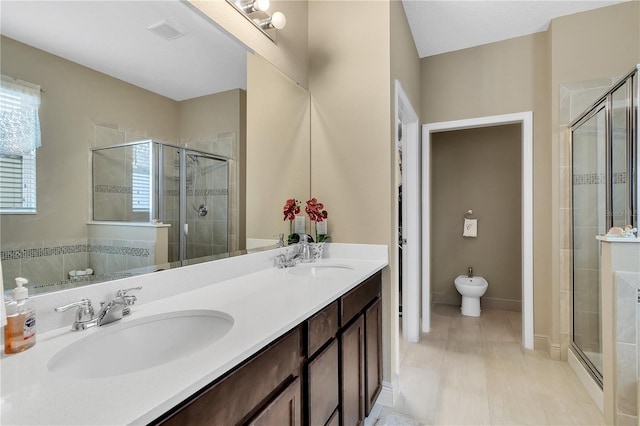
446	299
485	302
592	388
501	304
387	396
543	343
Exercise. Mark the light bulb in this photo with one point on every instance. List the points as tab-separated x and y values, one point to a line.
261	5
278	20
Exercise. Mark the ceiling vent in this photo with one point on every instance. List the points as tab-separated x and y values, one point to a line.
165	30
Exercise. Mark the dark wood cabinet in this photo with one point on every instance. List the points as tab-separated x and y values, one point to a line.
373	351
284	410
352	373
361	350
323	386
327	371
238	395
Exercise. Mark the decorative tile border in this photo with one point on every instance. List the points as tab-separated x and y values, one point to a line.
620	177
31	253
598	178
589	179
72	283
199	192
42	252
211	192
112	189
127	251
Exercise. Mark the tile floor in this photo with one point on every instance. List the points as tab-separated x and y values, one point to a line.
473	371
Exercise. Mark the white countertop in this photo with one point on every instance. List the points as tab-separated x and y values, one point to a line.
264	305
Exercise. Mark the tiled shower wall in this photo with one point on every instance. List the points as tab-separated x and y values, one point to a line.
47	265
219	226
575	98
627	311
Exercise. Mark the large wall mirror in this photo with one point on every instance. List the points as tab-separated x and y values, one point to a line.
165	142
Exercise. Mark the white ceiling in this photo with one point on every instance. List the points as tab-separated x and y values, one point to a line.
112	37
440	26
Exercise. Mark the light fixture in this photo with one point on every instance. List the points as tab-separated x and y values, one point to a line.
255	12
254	6
277	21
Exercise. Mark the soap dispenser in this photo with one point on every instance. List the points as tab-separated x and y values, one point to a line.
20	331
305	250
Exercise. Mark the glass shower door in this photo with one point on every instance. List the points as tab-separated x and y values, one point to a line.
589	157
206	206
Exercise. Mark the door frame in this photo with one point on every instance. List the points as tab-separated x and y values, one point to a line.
525	119
407	119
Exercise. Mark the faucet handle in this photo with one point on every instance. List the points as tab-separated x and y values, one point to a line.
84	314
121	293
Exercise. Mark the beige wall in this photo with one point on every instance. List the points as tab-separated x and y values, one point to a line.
76	97
351	163
501	78
289	52
79	102
217	124
278	147
478	169
525	73
405	62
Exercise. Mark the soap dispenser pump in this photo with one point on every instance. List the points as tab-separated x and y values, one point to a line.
305	251
20	331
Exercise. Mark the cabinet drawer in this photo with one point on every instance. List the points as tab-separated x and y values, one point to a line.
321	328
285	410
323	385
355	301
231	400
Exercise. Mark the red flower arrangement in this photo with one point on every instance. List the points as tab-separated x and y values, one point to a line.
291	209
315	211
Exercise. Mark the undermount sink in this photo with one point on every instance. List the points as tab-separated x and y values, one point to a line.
133	346
319	269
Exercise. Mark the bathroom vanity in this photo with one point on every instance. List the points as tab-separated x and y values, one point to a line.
336	353
304	348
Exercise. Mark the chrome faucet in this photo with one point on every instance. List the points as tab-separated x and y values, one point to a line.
111	311
295	254
287	259
84	314
470	272
117	308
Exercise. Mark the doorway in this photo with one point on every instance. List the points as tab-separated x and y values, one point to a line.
424	287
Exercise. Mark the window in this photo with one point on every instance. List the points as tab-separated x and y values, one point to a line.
19	139
141	176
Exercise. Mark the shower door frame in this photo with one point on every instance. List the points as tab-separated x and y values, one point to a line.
633	177
591	113
184	152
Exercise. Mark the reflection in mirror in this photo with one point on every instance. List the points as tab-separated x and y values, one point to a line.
99	92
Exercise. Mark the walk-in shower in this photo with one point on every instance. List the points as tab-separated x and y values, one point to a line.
153	181
604	164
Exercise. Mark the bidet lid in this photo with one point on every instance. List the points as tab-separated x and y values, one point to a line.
474	281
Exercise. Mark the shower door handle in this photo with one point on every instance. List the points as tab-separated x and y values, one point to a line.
186	229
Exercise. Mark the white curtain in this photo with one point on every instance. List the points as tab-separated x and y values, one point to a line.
19	122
